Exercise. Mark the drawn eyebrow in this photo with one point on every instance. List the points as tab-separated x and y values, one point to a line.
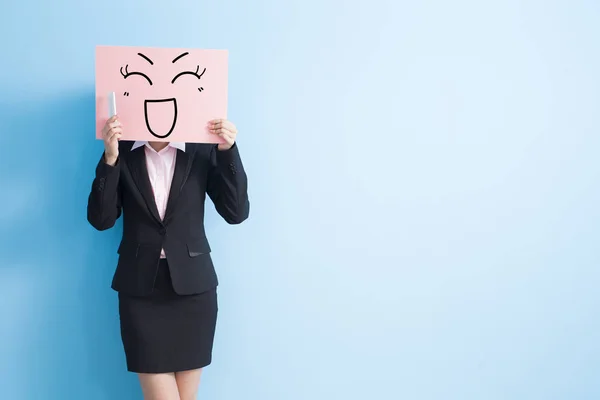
179	56
146	58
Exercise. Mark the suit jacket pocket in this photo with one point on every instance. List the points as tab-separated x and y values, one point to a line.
197	248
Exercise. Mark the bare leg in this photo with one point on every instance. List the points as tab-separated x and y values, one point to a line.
188	383
159	386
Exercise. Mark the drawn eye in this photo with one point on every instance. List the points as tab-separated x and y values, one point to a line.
127	74
190	73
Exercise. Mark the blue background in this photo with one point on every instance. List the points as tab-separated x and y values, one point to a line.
424	190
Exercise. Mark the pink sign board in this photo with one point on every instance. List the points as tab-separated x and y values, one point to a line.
162	94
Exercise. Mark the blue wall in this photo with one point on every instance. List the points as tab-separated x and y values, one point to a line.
424	188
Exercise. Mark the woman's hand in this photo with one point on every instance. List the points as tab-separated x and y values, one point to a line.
224	129
111	134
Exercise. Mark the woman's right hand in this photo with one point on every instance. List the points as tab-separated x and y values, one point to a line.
111	134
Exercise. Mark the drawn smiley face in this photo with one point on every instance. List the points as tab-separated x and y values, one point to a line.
165	106
162	94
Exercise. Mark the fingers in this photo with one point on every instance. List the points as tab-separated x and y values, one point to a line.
224	129
229	138
227	125
111	131
112	121
218	125
227	135
114	136
111	127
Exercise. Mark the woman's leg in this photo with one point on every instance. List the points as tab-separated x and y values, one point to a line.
188	383
159	386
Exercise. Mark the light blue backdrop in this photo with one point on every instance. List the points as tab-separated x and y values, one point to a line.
424	185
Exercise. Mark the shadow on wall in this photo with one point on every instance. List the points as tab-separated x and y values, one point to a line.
61	315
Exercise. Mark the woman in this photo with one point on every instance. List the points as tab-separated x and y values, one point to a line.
165	277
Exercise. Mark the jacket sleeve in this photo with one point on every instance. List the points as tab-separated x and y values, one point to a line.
104	201
228	185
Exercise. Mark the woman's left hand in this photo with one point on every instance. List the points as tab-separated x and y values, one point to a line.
224	129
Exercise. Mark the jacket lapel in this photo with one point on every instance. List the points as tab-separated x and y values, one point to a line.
183	166
136	161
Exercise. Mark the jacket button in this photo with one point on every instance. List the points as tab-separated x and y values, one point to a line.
162	231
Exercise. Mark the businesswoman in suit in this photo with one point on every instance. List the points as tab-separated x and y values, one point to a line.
165	278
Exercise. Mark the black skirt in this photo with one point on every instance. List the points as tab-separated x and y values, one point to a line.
166	332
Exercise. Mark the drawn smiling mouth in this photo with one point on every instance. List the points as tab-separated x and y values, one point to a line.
162	125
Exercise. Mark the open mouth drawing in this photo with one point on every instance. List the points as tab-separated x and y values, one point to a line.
164	116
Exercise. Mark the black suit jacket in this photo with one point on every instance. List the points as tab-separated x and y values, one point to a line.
125	189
